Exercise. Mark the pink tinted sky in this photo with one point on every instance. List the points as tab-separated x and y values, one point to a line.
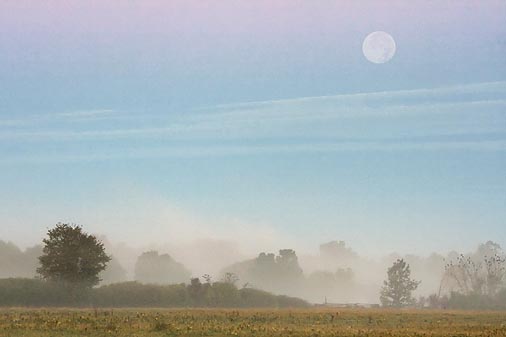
259	19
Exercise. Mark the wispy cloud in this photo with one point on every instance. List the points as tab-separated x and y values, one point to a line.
334	122
70	116
465	117
413	96
86	113
249	150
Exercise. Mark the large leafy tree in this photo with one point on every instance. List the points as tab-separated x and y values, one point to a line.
72	257
397	289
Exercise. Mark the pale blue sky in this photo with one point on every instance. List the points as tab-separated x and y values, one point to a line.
195	120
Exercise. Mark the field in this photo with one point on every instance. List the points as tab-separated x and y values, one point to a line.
259	323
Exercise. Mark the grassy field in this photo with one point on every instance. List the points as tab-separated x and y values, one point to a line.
209	322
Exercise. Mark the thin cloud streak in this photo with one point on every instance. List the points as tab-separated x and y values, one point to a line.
368	101
240	125
72	116
247	150
498	87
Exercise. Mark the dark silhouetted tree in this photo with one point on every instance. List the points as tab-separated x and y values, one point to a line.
113	273
397	289
337	250
162	269
17	263
276	273
72	257
288	263
196	291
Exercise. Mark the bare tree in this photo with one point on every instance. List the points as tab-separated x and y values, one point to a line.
483	277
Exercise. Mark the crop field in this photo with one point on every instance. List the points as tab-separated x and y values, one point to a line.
216	322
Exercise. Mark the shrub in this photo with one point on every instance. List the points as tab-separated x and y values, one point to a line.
134	294
476	301
291	302
254	298
32	293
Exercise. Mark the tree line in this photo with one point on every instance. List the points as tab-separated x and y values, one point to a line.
72	260
71	264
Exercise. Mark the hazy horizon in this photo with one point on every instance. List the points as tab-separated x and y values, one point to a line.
358	277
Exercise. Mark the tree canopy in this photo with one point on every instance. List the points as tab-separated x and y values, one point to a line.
72	257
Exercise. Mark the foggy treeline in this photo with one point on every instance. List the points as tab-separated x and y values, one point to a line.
335	273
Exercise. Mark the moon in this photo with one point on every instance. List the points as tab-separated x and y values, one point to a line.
379	47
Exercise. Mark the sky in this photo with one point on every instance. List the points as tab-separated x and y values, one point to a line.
258	122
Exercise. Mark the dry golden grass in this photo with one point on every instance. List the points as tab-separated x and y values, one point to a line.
259	323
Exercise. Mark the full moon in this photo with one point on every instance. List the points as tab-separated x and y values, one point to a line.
379	47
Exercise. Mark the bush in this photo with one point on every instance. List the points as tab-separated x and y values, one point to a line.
222	294
134	294
254	298
476	301
291	302
32	293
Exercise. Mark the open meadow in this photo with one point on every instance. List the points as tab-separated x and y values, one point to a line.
259	323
